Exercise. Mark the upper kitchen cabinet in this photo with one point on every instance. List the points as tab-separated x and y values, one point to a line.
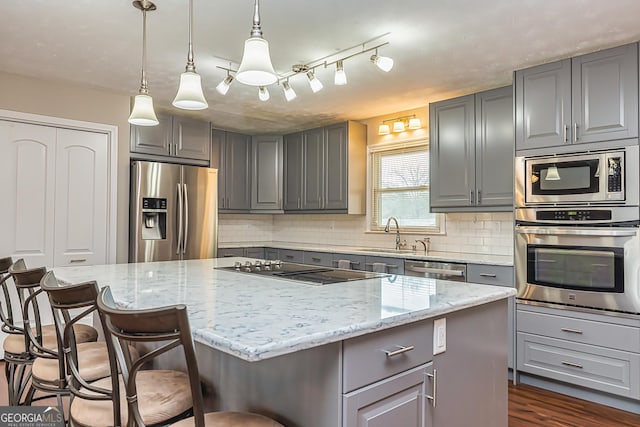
471	152
587	99
175	139
266	176
231	155
325	169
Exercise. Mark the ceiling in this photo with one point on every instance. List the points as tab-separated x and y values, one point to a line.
441	48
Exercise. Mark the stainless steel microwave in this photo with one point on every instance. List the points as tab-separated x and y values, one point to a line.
608	177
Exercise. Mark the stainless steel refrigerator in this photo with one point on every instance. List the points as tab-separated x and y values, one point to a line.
173	212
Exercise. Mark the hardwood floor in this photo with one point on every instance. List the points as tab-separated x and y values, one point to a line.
531	406
528	407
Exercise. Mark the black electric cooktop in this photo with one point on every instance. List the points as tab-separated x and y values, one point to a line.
312	274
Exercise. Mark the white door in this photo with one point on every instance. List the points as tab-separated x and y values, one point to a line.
27	169
82	199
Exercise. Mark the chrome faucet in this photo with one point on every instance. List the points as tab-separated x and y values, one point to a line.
425	243
386	230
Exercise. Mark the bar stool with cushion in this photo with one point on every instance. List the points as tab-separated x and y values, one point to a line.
168	327
48	373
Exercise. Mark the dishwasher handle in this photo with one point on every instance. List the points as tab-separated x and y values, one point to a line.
433	270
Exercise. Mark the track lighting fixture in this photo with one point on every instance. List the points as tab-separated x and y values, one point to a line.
263	93
223	86
289	93
256	68
400	124
383	62
316	85
142	113
340	78
190	96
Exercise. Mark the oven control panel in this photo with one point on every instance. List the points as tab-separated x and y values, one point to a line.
574	215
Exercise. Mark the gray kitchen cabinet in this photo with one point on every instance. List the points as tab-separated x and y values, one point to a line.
266	176
356	262
231	155
471	152
593	351
175	139
325	169
291	255
318	258
391	265
586	99
230	252
271	253
254	253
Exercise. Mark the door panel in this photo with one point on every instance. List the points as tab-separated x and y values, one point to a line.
313	178
336	180
237	164
27	168
191	138
201	226
267	172
82	205
293	171
153	139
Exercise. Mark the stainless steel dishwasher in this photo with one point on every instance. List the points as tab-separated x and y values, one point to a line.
436	270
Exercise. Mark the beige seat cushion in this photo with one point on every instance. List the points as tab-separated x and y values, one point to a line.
162	395
231	419
14	343
93	361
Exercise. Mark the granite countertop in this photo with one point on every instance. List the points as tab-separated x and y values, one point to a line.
257	318
504	260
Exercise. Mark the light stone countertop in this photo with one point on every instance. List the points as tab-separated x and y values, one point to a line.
256	318
487	259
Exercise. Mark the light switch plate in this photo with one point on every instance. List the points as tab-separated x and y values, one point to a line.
439	336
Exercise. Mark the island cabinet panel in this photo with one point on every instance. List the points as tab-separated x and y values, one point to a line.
396	401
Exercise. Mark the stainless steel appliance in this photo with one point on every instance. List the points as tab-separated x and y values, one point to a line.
608	177
300	272
436	270
173	212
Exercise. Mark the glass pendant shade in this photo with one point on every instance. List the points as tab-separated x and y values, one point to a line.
223	86
316	85
383	129
383	62
289	93
398	126
142	113
263	93
552	174
414	123
256	68
190	96
340	78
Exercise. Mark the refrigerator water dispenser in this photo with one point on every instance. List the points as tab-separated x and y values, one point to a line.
154	219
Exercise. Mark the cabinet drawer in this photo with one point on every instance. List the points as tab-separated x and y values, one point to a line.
230	252
290	255
490	274
394	265
356	261
254	253
579	330
599	368
365	358
318	258
271	253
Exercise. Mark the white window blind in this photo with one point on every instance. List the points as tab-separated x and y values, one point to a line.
400	188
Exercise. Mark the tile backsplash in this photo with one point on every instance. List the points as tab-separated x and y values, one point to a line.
481	233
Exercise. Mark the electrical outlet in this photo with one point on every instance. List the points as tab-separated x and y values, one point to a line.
439	336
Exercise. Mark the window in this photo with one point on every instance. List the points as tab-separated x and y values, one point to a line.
400	187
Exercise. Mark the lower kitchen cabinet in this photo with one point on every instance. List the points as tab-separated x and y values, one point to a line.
230	252
271	254
318	258
355	262
397	401
290	255
254	253
388	264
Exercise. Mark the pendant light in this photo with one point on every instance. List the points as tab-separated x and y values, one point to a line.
190	96
256	68
142	113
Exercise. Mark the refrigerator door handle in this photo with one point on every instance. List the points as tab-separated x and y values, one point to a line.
180	219
186	219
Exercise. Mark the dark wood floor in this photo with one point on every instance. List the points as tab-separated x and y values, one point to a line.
528	407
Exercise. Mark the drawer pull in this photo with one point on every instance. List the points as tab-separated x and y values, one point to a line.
571	331
78	260
288	256
314	259
573	365
400	350
432	398
488	275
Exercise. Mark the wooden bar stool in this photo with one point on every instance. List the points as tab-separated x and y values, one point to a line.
40	342
167	328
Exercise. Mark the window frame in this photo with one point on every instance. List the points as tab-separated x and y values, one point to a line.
438	228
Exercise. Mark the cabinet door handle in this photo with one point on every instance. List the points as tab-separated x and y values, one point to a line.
471	197
571	331
76	260
479	198
575	132
573	365
401	349
288	256
487	275
565	131
434	390
314	259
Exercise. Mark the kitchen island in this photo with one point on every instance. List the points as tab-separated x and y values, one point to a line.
344	354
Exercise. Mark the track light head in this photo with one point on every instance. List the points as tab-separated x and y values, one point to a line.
316	85
263	93
340	78
383	62
289	93
223	86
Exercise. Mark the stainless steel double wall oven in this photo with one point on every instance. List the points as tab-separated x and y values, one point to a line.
577	235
